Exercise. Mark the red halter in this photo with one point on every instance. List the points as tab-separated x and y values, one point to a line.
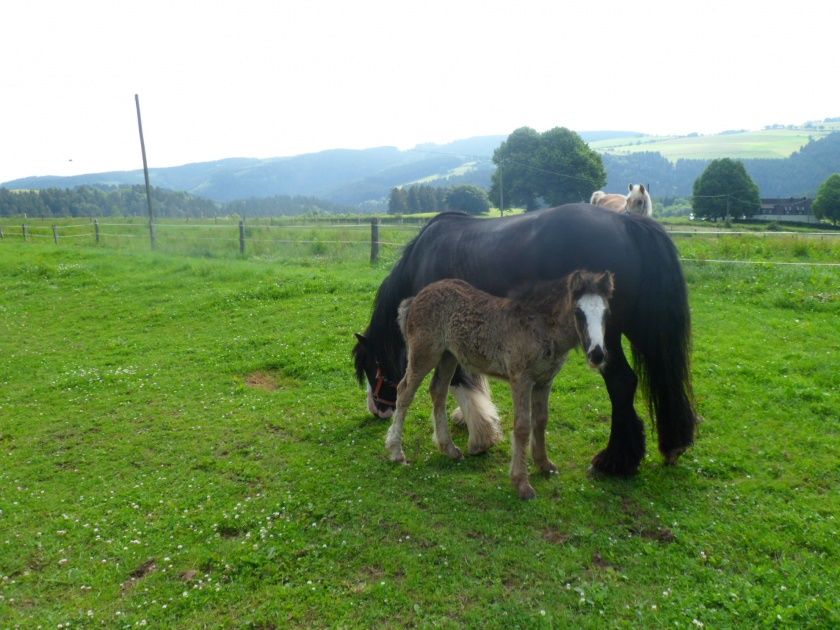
377	387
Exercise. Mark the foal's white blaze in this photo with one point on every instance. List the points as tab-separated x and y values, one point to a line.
594	307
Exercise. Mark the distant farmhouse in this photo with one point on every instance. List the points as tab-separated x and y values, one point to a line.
797	209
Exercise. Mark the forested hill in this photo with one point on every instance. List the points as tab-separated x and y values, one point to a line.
799	175
364	178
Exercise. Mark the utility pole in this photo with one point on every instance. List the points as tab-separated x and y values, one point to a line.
501	191
146	174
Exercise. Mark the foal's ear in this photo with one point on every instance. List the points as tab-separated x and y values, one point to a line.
629	187
576	284
606	283
642	188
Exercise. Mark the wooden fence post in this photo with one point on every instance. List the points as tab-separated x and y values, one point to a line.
55	233
96	229
241	236
374	240
25	232
1	232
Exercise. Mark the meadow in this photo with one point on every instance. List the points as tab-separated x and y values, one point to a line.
766	143
184	445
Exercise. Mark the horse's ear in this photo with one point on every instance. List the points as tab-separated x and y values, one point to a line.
361	339
606	283
642	188
630	187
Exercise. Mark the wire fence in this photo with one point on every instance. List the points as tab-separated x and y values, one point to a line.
335	238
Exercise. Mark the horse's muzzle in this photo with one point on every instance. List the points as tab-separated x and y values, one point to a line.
378	409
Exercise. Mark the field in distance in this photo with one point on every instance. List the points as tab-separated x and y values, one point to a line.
767	143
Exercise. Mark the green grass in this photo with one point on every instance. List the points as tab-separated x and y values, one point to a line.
768	143
183	445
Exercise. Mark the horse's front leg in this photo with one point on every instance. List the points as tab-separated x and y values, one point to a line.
539	420
626	446
439	389
521	391
476	410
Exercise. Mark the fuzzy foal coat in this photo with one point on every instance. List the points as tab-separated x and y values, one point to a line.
524	340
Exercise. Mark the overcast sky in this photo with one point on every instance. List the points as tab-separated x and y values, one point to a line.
259	79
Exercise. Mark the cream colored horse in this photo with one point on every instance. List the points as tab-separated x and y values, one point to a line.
637	200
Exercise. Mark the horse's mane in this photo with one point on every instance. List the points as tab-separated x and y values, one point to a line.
551	296
383	331
542	296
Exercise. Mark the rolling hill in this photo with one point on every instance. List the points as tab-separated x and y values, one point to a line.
790	161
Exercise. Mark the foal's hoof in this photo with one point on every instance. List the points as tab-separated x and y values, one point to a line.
526	492
398	458
455	453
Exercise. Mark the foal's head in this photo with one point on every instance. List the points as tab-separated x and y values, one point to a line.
590	296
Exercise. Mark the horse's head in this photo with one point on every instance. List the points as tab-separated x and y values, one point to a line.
638	200
381	389
590	296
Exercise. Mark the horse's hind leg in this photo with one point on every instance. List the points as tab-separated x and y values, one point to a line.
626	446
521	433
439	389
539	420
477	411
414	375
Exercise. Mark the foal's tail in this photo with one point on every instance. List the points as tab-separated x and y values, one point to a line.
596	196
660	333
402	313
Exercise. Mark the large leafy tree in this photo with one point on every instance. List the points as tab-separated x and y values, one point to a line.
553	167
469	199
724	190
827	203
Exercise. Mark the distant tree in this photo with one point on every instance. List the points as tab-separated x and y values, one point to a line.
428	199
398	202
827	203
724	190
516	165
554	167
469	199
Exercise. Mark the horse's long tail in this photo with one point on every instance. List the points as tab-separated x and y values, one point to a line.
596	196
660	335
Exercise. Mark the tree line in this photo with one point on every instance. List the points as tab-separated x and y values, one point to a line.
419	198
105	201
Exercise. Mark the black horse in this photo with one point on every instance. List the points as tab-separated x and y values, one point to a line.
649	307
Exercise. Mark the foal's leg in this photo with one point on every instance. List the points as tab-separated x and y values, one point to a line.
521	433
439	389
416	371
539	420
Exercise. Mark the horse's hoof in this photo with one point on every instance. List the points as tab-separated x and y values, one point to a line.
549	469
399	458
605	463
526	492
671	457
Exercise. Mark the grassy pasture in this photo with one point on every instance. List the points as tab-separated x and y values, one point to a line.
183	445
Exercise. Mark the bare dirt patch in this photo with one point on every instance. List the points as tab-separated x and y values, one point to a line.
262	380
